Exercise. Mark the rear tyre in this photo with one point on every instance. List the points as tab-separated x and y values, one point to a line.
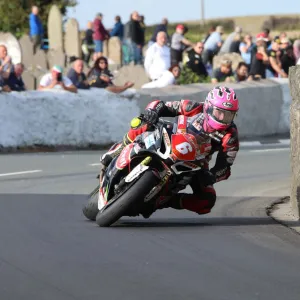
132	196
90	210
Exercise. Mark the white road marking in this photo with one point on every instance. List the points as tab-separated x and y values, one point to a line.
270	150
94	165
247	144
20	173
285	142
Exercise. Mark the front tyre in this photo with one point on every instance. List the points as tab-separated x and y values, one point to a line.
135	194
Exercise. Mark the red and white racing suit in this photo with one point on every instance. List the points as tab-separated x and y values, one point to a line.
203	198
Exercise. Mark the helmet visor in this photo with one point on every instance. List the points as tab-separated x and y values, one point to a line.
223	116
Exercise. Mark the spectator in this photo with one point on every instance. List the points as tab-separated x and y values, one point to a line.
6	66
178	43
296	47
235	45
267	36
211	30
100	77
283	35
88	45
136	38
100	33
143	27
195	62
36	28
246	48
3	86
259	57
231	37
241	73
118	29
287	58
56	78
77	76
160	27
212	45
274	68
224	73
15	81
158	57
168	77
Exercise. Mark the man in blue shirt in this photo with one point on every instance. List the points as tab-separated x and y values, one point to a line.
118	29
36	27
212	45
160	27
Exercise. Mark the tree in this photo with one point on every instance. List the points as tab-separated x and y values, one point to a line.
14	14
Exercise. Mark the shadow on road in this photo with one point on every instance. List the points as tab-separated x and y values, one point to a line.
194	222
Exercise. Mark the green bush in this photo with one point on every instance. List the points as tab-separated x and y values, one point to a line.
187	76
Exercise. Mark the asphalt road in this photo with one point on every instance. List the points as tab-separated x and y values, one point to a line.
49	251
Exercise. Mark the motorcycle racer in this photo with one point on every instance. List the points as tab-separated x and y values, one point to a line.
211	120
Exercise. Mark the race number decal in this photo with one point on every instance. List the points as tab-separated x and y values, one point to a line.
184	148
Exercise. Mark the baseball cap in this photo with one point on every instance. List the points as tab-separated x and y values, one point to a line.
180	26
57	69
261	37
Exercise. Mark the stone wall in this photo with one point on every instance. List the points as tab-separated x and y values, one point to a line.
295	138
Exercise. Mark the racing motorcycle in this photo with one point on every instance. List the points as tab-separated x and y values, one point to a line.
157	165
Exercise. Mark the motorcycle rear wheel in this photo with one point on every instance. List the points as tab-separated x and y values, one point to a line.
90	209
133	195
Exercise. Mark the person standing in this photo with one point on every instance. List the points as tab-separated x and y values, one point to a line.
178	43
36	28
212	45
158	58
136	38
118	29
160	27
88	46
100	34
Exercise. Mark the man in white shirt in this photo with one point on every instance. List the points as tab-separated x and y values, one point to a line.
56	78
158	57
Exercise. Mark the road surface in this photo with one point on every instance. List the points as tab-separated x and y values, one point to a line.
49	251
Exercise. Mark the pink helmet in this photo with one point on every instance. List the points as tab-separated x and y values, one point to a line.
220	108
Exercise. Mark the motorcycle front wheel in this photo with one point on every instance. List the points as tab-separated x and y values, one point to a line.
127	199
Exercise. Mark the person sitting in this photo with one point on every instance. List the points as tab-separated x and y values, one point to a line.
158	57
195	62
6	66
224	73
100	77
15	81
77	76
56	78
168	77
3	86
241	73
